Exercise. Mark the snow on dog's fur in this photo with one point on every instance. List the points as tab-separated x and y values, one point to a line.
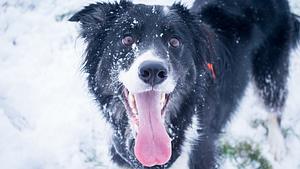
168	78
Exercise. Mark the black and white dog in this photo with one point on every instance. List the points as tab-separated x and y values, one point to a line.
168	78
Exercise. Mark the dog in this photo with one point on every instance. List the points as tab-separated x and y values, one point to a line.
168	78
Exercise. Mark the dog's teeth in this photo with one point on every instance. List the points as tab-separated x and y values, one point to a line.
162	100
162	96
131	101
134	110
130	97
136	128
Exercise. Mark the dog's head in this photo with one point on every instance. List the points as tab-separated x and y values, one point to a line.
146	65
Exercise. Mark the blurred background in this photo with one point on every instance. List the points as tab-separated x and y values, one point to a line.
48	120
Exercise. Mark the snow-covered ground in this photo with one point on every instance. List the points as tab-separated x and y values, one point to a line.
48	120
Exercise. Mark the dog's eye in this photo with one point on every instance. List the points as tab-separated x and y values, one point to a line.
128	40
174	42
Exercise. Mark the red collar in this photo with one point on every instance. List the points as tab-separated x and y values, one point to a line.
210	67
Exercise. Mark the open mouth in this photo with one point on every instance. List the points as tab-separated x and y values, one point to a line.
132	107
146	111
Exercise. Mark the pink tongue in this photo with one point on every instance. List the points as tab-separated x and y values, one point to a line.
152	145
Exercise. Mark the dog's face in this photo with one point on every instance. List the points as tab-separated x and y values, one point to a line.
143	64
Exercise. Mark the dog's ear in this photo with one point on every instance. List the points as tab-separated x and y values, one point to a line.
204	36
99	12
90	14
96	18
181	10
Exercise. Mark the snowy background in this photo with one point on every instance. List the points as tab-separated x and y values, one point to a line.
48	120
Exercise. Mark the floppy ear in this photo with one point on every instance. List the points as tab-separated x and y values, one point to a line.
96	18
100	12
91	13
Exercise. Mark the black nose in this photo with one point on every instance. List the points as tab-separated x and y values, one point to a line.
153	72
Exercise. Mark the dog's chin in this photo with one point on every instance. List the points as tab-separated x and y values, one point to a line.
146	111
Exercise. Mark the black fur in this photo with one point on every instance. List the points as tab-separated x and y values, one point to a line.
243	39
